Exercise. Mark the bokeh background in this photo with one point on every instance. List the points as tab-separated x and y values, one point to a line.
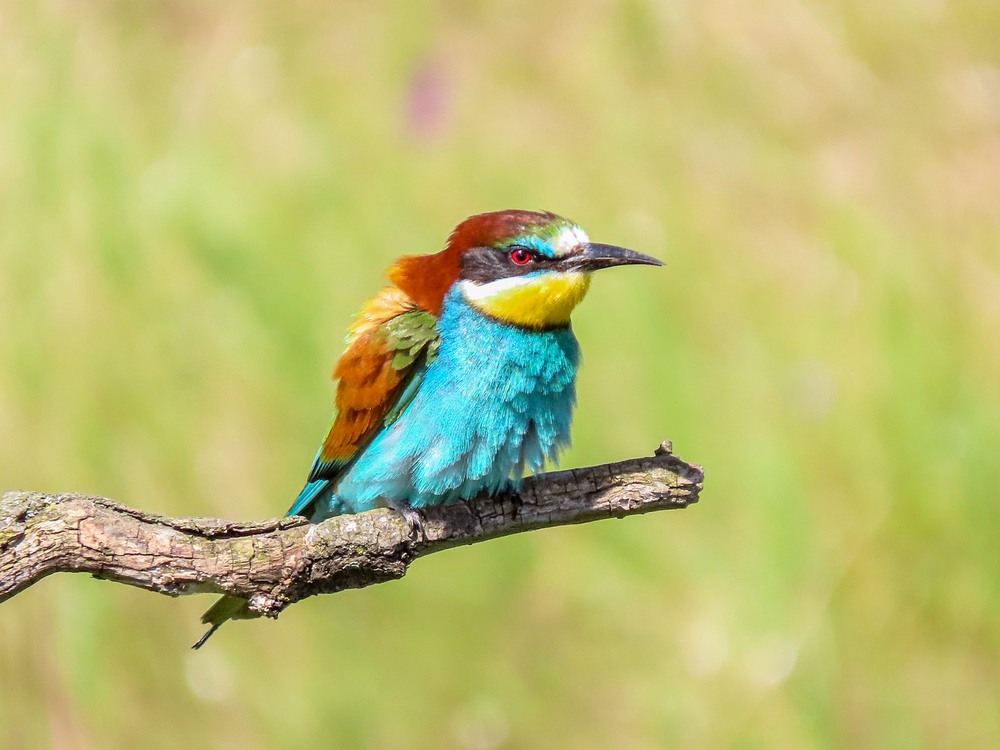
194	199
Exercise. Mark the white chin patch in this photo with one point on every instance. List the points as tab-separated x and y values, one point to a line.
480	292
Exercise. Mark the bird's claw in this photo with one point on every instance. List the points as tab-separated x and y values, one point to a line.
416	520
511	495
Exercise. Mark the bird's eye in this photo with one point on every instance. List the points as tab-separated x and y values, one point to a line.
520	255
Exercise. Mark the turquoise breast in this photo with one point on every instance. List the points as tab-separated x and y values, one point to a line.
496	402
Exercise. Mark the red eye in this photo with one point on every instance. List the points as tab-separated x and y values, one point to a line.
520	255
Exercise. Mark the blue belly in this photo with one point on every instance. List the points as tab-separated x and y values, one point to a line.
496	402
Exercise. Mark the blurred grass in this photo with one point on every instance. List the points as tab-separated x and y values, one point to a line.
195	198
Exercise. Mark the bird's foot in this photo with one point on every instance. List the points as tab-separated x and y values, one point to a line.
416	520
512	495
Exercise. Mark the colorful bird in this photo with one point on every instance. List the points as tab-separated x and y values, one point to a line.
459	376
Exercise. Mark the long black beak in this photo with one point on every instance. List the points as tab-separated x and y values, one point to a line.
592	256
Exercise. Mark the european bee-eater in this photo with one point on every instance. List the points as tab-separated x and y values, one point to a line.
459	375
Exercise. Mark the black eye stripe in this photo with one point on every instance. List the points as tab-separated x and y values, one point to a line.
485	264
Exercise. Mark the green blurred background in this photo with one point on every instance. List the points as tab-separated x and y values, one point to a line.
194	199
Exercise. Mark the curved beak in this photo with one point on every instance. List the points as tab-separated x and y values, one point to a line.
593	256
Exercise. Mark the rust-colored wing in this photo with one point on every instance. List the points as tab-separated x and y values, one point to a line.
387	349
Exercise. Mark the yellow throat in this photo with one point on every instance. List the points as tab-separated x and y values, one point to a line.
542	301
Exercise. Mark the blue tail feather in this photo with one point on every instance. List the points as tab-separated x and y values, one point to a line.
307	497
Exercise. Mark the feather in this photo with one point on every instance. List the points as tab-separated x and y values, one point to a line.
387	352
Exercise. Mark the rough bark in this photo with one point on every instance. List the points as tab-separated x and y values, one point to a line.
276	562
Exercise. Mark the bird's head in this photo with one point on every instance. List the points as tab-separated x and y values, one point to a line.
526	268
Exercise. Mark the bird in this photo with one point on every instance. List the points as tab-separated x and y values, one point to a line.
459	375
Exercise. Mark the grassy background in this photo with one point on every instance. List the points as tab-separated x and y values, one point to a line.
194	198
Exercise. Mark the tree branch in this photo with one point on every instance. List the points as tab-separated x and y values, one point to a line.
276	562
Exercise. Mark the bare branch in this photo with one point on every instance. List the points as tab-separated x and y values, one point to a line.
276	562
